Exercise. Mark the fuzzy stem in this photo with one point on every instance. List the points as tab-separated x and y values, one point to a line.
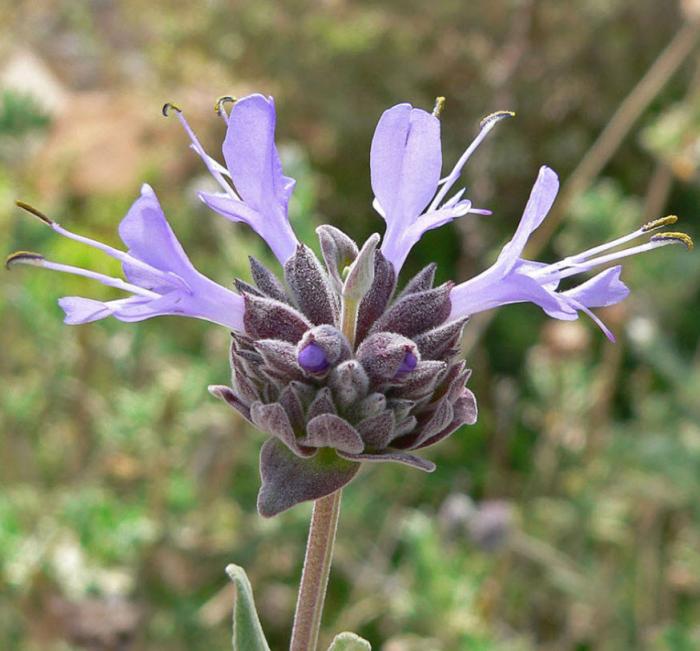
314	576
348	319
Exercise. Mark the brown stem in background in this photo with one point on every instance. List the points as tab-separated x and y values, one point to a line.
603	149
658	191
609	140
603	390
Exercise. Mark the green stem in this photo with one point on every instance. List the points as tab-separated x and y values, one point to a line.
314	576
348	319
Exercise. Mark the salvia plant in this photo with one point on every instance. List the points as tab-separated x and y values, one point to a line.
333	362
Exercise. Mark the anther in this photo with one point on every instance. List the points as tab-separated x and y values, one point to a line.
34	211
495	117
439	106
681	238
659	223
24	257
224	99
168	106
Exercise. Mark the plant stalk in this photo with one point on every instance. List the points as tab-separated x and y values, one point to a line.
314	576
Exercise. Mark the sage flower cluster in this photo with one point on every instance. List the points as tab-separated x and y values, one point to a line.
336	361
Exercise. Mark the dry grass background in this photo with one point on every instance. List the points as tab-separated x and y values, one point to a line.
567	519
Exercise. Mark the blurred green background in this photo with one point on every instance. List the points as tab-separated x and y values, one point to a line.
568	518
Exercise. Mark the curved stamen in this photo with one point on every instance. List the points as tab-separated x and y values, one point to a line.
219	106
485	125
217	170
659	223
657	241
38	260
34	211
674	238
23	257
167	108
494	117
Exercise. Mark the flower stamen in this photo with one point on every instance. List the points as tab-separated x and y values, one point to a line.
167	107
105	248
659	223
439	106
656	241
497	116
674	238
36	212
585	260
217	170
23	257
38	260
220	103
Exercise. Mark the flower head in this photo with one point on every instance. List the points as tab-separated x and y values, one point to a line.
330	404
332	362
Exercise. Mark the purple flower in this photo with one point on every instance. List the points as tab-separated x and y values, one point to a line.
332	363
513	280
409	363
406	162
313	359
253	166
159	276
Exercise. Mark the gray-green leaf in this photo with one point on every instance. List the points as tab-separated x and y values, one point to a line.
349	642
361	274
247	632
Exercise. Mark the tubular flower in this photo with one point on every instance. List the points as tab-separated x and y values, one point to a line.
332	362
406	162
513	280
159	276
254	190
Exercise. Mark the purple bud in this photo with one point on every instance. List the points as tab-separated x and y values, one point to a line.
384	354
312	358
410	361
349	383
330	341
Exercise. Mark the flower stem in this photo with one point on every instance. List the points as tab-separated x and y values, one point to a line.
314	576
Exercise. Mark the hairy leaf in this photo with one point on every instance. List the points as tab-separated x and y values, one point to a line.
247	631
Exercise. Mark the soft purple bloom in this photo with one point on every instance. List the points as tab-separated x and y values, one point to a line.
158	274
405	162
260	191
333	363
312	358
410	361
512	279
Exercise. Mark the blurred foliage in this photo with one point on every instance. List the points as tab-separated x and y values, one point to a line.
19	115
125	489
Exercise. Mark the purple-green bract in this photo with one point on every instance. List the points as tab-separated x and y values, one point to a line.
333	363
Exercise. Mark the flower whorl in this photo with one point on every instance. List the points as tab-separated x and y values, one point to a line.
330	404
